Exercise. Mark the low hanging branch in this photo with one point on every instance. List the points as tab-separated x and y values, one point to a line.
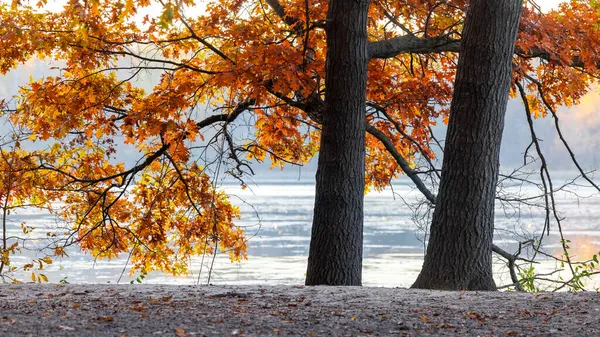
542	95
401	161
546	179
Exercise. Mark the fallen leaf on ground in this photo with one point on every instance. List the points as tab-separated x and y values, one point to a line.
180	332
239	309
139	308
476	316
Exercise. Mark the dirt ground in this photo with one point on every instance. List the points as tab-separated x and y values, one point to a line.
161	310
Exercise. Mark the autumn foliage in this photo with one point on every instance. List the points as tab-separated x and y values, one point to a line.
219	66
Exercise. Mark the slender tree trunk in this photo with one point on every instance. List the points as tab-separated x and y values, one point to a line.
335	256
459	254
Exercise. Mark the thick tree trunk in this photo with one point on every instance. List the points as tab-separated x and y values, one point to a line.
459	253
335	256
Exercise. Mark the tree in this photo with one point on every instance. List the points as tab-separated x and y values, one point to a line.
16	193
459	253
218	68
335	256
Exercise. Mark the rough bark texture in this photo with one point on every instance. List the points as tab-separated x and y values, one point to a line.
335	256
412	44
459	254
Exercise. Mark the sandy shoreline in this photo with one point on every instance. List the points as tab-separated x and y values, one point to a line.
164	310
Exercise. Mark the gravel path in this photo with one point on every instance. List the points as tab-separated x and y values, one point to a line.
161	310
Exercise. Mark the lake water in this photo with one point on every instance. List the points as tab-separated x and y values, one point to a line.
279	238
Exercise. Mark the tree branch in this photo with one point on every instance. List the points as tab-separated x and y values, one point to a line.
411	44
280	11
228	118
384	139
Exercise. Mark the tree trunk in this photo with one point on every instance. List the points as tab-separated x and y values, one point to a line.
335	256
459	253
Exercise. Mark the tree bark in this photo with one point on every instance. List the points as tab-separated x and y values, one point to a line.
335	256
459	253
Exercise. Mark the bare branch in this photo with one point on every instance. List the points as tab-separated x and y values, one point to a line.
545	176
558	130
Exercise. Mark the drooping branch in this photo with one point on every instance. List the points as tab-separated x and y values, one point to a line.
401	161
405	135
123	175
545	176
384	139
559	131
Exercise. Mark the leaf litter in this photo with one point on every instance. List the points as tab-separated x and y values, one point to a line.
146	310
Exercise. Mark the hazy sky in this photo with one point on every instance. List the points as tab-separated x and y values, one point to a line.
548	4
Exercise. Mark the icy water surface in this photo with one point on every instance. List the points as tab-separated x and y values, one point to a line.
277	216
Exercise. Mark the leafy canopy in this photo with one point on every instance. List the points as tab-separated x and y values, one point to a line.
219	66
